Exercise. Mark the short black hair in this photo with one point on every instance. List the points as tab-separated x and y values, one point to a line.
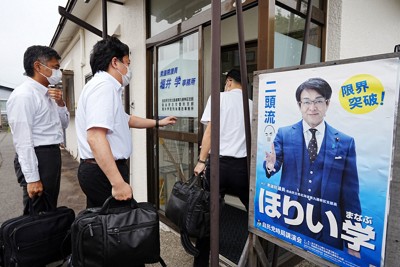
38	53
234	74
104	51
317	84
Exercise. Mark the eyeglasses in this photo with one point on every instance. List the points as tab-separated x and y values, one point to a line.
317	102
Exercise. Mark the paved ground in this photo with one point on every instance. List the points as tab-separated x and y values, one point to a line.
72	196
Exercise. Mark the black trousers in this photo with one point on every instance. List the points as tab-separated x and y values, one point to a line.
233	180
49	164
95	184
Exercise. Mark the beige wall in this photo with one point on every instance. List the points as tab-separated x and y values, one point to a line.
127	22
362	28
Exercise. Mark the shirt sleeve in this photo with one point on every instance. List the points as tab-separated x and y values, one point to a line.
101	107
64	116
207	112
20	112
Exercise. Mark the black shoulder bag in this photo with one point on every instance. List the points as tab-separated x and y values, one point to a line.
189	208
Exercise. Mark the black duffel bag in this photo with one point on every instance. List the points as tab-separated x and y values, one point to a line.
188	208
37	238
121	233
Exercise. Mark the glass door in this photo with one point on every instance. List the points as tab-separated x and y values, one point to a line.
177	94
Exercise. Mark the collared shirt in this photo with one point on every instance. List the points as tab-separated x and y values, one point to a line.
35	120
232	131
100	105
319	134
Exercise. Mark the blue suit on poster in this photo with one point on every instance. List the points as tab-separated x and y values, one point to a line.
332	177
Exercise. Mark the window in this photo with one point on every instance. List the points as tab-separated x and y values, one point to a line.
301	5
68	90
289	36
165	14
178	82
177	95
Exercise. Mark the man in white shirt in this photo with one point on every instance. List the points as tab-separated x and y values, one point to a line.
103	127
233	154
37	116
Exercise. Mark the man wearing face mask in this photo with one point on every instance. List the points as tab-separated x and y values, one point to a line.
37	117
103	126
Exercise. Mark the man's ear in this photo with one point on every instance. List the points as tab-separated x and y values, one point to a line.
113	62
36	66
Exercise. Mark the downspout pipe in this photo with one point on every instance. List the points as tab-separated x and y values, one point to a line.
104	11
215	117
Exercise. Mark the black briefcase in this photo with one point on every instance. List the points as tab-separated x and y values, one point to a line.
121	233
36	238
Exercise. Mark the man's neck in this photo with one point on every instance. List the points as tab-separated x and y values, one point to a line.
40	79
234	87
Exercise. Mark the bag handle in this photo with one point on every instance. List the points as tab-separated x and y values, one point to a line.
112	202
195	179
38	204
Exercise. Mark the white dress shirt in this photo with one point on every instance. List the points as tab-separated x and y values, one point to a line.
319	134
35	120
100	105
232	133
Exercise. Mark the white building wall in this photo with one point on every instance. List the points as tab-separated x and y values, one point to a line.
354	28
127	22
359	28
72	60
133	33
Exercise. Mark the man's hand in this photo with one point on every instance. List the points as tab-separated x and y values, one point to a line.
167	121
56	94
35	189
122	191
199	168
270	158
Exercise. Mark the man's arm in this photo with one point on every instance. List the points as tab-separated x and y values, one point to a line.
20	110
269	163
101	149
64	116
141	123
205	149
274	159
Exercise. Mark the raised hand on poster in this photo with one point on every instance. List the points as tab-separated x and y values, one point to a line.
270	158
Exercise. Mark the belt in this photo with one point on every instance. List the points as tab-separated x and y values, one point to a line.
233	158
93	161
48	146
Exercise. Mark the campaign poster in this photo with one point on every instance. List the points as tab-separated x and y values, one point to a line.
330	199
178	80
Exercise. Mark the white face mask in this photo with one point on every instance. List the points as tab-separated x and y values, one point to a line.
55	77
127	77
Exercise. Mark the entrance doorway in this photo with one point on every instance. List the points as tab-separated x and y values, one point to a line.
182	87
